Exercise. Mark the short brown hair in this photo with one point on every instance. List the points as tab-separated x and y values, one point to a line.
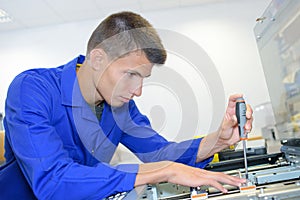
124	32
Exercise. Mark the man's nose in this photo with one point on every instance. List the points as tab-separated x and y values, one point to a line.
137	91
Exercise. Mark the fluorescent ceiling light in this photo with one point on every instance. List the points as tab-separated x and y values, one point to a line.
4	17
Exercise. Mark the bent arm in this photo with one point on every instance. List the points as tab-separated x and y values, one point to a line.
42	156
149	146
227	134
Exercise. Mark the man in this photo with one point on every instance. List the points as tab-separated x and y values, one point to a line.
64	124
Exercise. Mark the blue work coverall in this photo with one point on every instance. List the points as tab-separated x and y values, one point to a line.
56	148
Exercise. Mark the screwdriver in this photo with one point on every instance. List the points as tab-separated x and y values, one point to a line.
241	118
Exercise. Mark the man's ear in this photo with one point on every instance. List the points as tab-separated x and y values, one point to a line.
98	59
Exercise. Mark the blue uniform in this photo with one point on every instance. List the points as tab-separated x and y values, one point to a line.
56	148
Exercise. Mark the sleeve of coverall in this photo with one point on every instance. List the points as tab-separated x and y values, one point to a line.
149	146
51	173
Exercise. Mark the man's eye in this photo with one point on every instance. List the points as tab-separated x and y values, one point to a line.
130	74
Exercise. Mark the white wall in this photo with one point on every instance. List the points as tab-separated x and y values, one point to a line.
223	30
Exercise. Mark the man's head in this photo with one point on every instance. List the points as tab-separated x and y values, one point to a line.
121	53
125	32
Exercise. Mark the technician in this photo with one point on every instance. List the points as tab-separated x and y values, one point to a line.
63	124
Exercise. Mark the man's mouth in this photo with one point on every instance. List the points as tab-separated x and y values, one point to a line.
125	99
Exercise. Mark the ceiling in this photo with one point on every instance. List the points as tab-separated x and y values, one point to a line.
34	13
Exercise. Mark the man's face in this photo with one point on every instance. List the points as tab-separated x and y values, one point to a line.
122	79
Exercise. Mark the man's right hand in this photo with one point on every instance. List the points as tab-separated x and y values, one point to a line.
177	173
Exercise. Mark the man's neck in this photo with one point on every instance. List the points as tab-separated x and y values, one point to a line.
86	84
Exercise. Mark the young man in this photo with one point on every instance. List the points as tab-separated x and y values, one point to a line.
63	124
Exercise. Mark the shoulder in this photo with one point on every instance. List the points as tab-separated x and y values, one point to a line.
34	84
38	77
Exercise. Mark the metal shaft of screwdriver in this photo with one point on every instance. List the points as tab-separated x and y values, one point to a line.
245	159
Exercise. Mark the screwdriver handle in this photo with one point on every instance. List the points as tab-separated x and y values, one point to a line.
240	112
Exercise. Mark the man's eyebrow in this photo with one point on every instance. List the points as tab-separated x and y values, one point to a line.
148	76
139	74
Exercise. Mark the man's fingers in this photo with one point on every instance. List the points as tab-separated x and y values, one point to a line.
235	96
227	179
232	100
249	117
216	178
229	121
249	111
231	180
214	184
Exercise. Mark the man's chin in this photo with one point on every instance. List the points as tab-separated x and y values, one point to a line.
117	104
